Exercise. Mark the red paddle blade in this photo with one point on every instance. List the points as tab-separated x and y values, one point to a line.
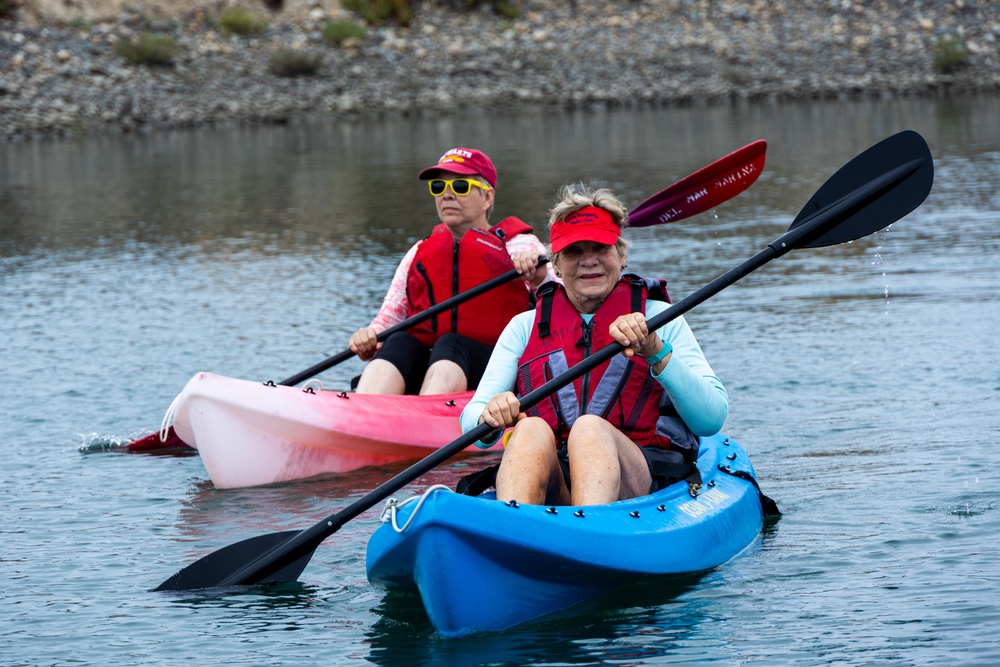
152	443
704	189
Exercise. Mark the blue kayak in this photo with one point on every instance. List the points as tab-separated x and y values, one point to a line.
483	565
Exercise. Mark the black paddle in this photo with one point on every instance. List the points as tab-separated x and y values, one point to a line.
878	187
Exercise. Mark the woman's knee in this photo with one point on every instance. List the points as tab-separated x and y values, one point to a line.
449	339
529	471
590	430
532	434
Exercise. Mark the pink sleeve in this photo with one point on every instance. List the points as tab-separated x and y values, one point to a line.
395	306
526	242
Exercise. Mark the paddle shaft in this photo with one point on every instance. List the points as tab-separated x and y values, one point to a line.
810	229
409	322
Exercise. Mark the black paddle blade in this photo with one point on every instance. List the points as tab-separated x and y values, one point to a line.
902	167
212	570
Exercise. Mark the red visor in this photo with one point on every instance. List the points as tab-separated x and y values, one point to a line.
588	224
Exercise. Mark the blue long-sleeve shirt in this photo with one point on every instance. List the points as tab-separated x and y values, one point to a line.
689	381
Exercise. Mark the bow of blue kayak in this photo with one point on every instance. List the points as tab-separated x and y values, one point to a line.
483	565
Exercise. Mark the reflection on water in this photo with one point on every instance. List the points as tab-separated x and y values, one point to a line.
624	626
863	380
351	186
207	505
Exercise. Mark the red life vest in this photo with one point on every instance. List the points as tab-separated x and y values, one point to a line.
444	267
622	391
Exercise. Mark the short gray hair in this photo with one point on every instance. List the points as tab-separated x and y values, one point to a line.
574	196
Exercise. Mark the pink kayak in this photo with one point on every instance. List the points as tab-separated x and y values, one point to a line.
250	433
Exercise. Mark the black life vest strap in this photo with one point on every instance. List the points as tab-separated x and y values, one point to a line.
475	483
637	284
545	293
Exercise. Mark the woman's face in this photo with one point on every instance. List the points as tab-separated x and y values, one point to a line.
462	213
589	272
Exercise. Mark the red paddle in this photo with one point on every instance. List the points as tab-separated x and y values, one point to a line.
704	189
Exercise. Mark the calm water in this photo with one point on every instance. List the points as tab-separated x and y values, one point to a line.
865	382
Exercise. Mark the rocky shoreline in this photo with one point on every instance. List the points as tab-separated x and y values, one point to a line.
60	76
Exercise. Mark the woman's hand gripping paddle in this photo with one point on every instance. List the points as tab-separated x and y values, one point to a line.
704	189
873	190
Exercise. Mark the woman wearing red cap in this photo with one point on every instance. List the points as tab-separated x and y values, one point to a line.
631	425
449	352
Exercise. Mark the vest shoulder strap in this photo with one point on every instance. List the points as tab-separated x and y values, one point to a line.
510	227
543	299
656	288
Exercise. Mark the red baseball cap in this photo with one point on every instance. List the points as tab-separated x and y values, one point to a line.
588	224
464	161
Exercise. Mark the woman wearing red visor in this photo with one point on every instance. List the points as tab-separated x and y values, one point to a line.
624	429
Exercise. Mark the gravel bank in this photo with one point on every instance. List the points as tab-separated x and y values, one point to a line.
61	77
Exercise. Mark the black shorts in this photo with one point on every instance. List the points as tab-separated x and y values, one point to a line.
412	358
664	465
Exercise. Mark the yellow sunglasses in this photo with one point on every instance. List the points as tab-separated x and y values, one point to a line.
460	186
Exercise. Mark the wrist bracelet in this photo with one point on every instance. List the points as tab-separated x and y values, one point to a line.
658	357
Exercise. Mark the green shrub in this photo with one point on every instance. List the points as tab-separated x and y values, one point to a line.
337	32
148	49
241	21
950	54
375	12
289	62
378	11
81	24
504	8
7	8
